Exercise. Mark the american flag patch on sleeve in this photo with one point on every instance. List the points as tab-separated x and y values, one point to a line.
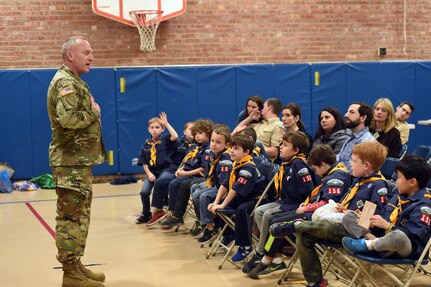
66	91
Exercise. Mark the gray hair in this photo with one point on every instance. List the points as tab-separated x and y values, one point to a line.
71	41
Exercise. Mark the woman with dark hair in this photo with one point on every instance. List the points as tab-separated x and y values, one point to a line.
291	118
253	103
331	130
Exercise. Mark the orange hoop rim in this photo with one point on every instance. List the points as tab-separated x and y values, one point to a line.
140	16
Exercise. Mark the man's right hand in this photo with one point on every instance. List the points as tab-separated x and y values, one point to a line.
94	105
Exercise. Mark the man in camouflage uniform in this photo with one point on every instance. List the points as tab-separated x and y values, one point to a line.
76	146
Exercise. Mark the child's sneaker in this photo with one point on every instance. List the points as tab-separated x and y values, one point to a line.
198	229
208	236
270	270
355	245
252	263
157	216
241	254
172	221
144	218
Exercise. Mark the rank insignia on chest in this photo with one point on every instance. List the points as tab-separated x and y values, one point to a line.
360	204
426	215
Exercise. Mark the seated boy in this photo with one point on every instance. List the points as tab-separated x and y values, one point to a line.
293	183
407	218
193	166
204	193
240	191
218	145
370	184
155	158
335	183
259	152
161	185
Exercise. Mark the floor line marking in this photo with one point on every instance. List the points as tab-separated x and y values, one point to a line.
41	220
47	200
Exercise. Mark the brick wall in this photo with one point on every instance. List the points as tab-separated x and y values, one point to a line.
221	32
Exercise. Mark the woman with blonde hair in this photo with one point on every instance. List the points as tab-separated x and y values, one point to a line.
383	127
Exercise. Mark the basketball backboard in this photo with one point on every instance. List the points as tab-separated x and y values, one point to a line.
118	10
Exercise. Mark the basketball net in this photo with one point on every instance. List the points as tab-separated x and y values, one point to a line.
147	22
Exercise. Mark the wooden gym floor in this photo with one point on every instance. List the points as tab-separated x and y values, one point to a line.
130	255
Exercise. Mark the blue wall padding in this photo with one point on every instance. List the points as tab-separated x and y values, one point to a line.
364	82
15	122
134	108
292	84
216	91
421	135
41	131
331	92
102	85
188	93
177	95
253	80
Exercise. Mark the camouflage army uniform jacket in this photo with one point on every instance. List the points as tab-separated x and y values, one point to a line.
76	128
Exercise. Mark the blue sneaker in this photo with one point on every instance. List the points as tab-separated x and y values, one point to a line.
241	254
355	245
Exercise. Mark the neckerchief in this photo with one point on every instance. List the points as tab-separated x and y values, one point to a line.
278	178
237	165
315	191
153	155
397	210
352	192
190	155
213	163
256	151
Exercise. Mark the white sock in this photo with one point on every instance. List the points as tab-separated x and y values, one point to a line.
277	260
368	243
266	261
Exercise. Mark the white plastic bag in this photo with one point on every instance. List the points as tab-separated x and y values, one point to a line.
328	212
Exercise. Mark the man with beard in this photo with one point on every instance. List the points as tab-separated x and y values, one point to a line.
358	119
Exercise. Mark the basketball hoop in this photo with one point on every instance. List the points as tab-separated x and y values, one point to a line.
147	22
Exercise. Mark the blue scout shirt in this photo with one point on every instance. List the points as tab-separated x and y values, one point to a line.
179	150
373	188
163	153
414	219
222	168
334	185
248	183
299	180
199	160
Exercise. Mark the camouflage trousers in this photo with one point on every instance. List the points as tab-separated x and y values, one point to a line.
73	188
307	234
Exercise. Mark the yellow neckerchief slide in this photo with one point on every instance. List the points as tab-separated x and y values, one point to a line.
237	165
315	191
352	192
278	178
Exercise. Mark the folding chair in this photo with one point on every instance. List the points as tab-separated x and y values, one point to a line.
423	151
403	151
411	267
388	167
268	170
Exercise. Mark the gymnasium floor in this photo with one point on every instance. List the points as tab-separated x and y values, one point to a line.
130	255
